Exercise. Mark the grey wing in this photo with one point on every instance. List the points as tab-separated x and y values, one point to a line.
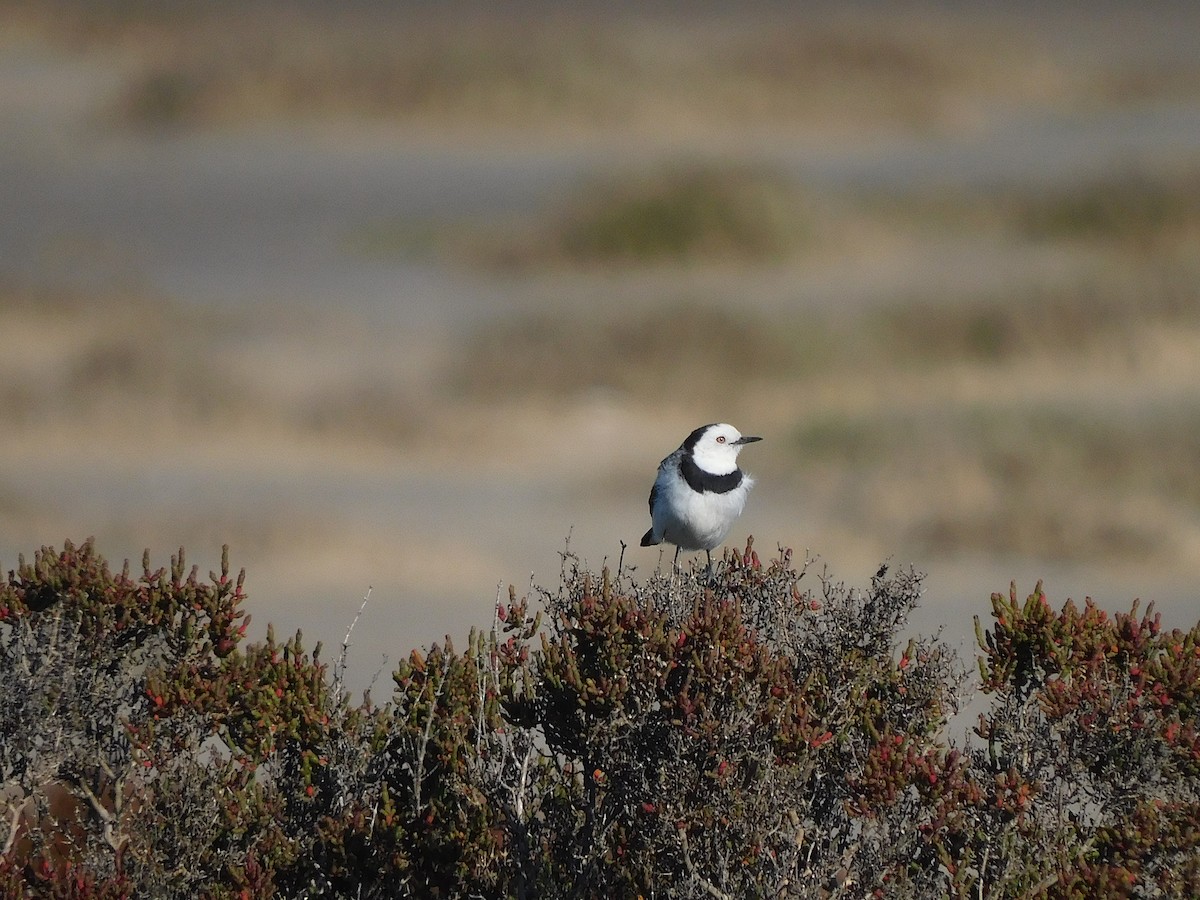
667	463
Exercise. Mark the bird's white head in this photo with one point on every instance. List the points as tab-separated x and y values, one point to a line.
715	448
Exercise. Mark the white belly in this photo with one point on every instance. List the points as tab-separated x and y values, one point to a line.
698	521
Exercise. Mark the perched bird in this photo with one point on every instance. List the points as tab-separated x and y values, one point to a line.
699	491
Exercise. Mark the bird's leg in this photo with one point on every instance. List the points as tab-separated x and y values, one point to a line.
675	565
708	569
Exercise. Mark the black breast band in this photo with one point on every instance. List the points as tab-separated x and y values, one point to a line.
706	482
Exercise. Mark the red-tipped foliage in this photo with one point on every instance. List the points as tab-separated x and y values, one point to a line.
752	735
1093	739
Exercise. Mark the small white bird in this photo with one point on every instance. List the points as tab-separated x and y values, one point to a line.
699	491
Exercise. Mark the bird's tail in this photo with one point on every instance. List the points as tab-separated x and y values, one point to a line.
648	539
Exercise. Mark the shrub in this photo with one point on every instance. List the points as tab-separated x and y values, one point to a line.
1093	747
767	733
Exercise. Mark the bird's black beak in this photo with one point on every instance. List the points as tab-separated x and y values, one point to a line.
746	439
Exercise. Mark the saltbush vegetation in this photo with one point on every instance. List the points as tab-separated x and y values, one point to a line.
767	733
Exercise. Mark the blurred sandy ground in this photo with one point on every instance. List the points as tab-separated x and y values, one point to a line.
295	280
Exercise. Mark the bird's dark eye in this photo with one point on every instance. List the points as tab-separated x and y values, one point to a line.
721	439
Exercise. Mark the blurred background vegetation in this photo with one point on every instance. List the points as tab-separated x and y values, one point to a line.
402	294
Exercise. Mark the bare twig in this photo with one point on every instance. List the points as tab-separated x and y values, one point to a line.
13	825
339	672
709	888
106	816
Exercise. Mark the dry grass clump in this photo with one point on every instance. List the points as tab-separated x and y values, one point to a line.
1147	214
691	348
1043	425
1107	307
1151	450
83	358
404	68
724	215
1145	210
1045	481
533	71
534	66
1076	483
86	354
685	214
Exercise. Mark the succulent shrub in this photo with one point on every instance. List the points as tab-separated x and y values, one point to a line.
768	732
